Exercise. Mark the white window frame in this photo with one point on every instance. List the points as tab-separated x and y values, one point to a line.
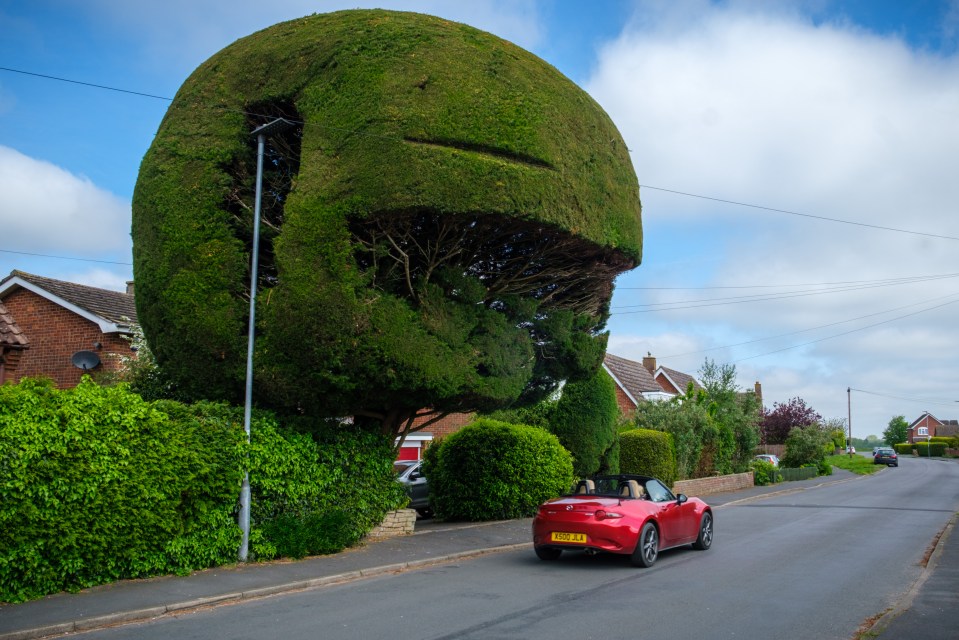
923	431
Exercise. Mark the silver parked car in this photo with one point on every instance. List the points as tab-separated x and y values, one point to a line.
768	457
410	474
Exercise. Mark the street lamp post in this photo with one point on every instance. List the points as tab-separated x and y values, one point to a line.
262	133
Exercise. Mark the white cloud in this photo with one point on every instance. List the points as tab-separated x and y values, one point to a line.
762	106
47	209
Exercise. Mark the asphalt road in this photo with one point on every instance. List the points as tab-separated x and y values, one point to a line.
812	564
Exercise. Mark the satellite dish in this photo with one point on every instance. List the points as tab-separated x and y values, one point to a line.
85	360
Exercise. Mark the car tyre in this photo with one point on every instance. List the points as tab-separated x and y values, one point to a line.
647	547
705	539
425	512
548	553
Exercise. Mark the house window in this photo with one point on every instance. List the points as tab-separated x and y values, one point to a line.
923	431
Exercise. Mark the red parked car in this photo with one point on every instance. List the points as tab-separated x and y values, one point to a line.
627	514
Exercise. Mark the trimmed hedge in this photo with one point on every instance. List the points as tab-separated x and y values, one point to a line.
584	420
930	449
97	485
903	448
491	470
649	453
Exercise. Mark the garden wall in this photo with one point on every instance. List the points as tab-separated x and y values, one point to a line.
715	484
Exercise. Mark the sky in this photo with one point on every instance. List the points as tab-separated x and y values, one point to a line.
798	163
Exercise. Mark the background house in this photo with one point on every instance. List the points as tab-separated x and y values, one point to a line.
45	323
929	426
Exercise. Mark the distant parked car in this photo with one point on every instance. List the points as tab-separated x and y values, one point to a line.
850	449
886	456
410	474
768	457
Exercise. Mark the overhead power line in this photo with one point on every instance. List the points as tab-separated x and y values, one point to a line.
792	333
845	333
86	84
780	286
713	302
941	402
804	215
44	255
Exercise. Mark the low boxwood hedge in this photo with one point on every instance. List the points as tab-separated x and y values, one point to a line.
491	470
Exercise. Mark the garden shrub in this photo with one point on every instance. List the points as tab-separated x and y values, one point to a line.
904	448
930	449
763	473
649	453
806	445
584	420
491	470
100	485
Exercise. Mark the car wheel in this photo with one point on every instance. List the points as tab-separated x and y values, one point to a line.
548	553
647	547
705	539
425	512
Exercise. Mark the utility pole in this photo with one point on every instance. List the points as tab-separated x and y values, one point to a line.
849	418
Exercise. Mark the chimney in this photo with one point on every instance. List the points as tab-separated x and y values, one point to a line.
649	362
759	391
130	287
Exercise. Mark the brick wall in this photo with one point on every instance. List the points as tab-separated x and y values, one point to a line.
55	334
626	406
716	484
450	424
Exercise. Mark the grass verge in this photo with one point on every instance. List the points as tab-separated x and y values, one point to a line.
855	463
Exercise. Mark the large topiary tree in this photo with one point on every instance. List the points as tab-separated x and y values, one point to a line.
441	229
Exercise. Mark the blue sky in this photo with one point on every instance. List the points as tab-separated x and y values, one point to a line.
836	110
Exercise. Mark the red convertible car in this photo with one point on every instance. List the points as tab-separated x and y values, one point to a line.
626	514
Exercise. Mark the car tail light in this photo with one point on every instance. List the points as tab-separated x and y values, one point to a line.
607	515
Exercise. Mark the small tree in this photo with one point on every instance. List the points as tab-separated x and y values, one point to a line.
897	432
778	424
584	420
806	446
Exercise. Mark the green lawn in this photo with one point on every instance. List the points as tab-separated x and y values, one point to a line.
855	463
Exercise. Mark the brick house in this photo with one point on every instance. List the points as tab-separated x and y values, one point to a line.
640	382
929	426
45	323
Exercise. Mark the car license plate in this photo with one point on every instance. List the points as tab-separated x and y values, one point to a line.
561	536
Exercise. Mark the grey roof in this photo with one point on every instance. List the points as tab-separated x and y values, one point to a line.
10	334
113	306
632	376
680	379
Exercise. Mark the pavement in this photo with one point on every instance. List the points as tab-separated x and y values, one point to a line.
924	612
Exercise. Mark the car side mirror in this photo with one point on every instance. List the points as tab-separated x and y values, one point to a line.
681	498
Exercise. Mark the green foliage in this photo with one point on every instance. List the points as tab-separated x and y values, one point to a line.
763	473
432	153
930	449
897	431
649	453
806	446
100	485
316	533
491	470
714	429
904	448
584	420
836	429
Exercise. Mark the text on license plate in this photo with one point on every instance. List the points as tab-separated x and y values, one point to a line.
561	536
